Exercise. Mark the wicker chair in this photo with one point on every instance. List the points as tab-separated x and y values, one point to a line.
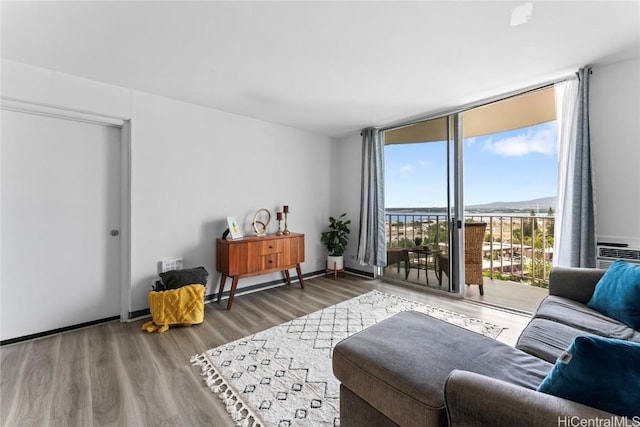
473	239
396	256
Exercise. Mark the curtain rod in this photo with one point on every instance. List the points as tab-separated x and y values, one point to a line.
471	105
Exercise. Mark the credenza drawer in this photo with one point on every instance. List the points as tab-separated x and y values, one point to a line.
271	261
266	247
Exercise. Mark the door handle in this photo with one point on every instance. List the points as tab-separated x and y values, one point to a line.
115	232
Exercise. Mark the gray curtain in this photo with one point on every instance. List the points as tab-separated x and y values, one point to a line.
372	248
576	236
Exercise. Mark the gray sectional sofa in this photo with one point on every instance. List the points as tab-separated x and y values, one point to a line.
414	370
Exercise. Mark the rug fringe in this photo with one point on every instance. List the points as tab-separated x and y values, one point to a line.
239	412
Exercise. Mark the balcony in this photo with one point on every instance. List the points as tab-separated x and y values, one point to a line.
517	255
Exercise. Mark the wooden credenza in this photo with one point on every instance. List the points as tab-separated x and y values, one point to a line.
251	256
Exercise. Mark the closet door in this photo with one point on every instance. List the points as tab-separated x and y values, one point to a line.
60	253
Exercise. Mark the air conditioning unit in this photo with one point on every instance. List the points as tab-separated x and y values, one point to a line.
608	254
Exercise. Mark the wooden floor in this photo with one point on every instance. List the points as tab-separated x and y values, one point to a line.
501	293
116	375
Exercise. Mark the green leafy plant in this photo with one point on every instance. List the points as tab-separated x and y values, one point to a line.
337	237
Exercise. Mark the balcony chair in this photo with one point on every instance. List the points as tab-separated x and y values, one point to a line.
473	239
396	256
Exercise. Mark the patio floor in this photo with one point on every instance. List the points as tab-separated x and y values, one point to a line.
500	293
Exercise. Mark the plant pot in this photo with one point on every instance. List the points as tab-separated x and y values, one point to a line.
335	262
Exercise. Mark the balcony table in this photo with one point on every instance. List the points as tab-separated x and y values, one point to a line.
428	253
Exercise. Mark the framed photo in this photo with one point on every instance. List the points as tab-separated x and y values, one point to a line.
234	227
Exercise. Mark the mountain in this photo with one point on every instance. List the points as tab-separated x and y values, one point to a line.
541	205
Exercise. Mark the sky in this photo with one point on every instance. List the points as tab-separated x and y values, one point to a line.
503	167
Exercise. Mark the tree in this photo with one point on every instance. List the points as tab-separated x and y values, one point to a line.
551	226
538	266
516	235
527	227
534	221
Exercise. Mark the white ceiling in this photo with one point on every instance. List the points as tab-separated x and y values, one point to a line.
328	66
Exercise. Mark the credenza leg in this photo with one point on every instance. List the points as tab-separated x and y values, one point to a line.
223	280
234	284
299	271
287	276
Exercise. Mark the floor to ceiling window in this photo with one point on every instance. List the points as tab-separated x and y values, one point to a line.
418	198
508	173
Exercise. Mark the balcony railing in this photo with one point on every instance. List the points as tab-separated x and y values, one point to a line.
515	247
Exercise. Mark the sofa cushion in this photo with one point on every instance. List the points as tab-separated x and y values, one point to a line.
599	372
617	294
579	316
400	365
547	339
576	283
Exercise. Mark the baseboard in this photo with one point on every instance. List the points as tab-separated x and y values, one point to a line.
134	315
57	331
367	274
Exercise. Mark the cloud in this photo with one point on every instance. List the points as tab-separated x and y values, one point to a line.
406	170
542	141
410	169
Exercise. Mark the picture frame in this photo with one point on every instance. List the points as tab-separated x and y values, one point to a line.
234	227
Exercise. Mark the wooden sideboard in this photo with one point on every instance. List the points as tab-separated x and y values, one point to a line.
251	256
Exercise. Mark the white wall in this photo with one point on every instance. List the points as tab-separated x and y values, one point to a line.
615	143
347	183
191	168
50	88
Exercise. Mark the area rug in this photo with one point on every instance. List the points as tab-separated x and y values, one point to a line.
282	377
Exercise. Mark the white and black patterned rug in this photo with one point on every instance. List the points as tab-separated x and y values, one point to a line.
282	377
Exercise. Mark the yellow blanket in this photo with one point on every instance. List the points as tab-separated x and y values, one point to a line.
183	306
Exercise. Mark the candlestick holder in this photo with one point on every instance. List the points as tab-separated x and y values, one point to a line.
286	228
279	219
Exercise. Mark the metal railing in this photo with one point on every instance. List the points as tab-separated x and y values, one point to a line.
516	247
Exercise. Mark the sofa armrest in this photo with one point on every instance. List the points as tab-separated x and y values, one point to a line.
477	400
574	283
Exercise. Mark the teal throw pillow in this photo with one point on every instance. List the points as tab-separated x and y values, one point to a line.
603	373
617	294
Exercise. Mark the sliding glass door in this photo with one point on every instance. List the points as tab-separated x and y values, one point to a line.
423	186
503	237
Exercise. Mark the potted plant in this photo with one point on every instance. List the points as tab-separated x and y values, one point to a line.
336	240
